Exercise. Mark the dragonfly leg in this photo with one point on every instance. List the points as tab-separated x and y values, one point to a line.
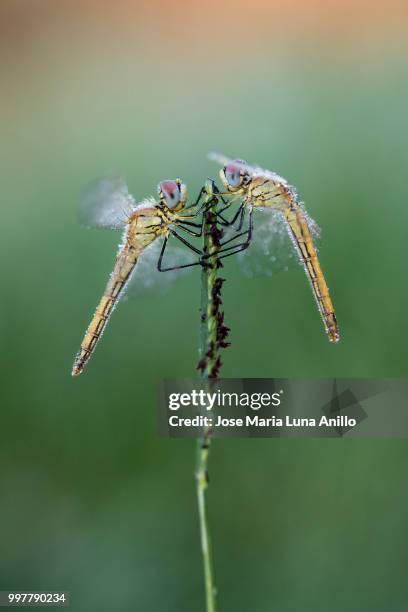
204	207
234	238
184	241
182	222
216	194
226	204
241	246
224	222
218	213
167	269
195	263
190	223
220	195
241	220
240	211
203	191
182	225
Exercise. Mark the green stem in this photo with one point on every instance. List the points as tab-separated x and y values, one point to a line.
208	352
213	331
203	449
212	339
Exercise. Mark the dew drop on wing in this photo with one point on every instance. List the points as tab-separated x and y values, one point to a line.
271	249
105	203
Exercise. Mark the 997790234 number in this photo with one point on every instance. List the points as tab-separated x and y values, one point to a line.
16	598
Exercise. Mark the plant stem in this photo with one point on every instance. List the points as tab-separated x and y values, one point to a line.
213	331
202	484
212	339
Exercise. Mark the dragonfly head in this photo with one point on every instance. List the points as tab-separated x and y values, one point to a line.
234	175
172	194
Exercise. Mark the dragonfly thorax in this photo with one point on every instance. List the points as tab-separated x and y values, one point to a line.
268	192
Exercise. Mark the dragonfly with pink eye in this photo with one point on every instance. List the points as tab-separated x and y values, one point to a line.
108	204
257	188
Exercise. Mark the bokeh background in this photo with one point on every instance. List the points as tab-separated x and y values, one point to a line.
91	499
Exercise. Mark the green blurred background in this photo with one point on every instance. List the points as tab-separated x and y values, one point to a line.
92	501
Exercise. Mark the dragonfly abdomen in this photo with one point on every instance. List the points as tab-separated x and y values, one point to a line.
302	238
124	266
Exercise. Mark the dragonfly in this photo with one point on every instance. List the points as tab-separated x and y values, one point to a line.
109	204
264	189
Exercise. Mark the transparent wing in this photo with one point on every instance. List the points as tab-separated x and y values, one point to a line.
106	202
219	158
271	249
147	278
223	160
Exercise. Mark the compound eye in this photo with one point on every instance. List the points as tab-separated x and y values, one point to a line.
233	175
171	192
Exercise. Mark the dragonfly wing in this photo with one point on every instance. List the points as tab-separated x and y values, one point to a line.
219	158
271	249
106	202
147	278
